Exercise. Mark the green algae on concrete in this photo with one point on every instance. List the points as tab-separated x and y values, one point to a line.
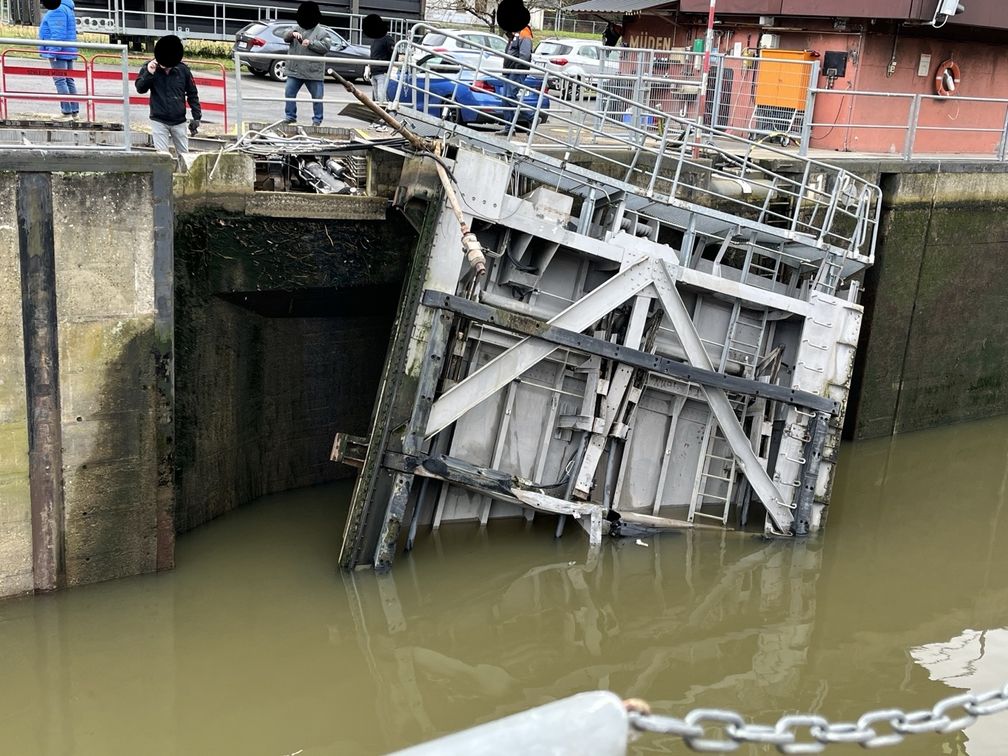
936	348
16	574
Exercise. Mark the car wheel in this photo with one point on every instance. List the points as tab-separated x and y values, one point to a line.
277	70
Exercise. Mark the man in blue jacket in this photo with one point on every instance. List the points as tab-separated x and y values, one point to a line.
171	85
59	24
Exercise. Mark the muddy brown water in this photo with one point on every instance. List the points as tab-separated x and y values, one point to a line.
256	644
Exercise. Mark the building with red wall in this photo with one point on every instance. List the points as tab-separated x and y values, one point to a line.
894	49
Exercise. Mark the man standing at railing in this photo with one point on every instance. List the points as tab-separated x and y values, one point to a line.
382	46
59	24
307	38
171	84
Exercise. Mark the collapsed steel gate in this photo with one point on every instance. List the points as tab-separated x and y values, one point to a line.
624	362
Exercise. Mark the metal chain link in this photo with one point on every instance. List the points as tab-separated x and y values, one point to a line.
811	733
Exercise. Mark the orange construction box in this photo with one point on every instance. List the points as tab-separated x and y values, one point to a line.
782	80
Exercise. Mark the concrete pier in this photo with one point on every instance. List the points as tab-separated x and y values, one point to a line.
86	470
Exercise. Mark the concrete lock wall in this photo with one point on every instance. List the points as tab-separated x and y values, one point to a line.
935	350
85	360
284	305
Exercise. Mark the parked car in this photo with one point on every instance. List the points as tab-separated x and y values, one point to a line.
466	40
465	87
267	40
582	60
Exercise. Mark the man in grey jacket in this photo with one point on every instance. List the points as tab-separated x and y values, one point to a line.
307	38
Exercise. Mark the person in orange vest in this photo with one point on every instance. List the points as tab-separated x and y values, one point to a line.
519	46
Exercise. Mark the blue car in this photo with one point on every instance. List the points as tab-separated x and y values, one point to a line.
466	88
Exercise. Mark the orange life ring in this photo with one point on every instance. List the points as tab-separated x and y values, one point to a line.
947	79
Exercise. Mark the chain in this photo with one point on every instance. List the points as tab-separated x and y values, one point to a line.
811	733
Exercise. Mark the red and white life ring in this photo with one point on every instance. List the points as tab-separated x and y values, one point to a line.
947	79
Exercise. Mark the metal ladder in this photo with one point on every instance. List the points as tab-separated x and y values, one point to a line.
716	476
744	342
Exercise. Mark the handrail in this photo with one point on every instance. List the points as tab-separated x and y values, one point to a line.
704	155
241	98
984	134
32	47
218	15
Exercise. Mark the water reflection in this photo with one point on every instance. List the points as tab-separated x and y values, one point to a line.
974	661
257	644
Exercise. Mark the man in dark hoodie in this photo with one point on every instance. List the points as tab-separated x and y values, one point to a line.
307	38
59	24
382	46
170	83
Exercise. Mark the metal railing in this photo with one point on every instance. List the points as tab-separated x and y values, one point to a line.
242	98
669	156
908	125
747	96
13	71
208	19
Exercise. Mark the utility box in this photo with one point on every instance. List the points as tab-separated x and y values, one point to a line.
783	78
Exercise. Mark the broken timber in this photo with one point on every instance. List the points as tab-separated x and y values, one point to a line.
623	359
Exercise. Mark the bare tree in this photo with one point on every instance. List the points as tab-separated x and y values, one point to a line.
484	10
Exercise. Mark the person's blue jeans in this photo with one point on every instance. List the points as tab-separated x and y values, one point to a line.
314	88
64	84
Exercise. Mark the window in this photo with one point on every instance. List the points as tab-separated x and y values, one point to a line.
552	48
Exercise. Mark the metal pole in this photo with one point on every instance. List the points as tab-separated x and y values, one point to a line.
127	135
806	130
238	94
705	71
911	136
1003	150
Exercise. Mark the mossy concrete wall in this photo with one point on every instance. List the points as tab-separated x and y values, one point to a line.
282	326
16	573
108	241
935	347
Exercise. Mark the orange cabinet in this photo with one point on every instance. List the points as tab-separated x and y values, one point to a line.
783	78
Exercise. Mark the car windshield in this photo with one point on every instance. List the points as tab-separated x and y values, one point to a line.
440	64
462	65
552	48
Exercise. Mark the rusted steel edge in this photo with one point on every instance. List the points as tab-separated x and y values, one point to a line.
41	362
416	142
540	329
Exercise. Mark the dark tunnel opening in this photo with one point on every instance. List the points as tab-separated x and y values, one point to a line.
281	333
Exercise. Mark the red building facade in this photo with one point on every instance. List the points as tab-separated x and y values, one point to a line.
894	49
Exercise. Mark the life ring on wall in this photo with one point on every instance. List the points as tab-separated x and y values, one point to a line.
947	79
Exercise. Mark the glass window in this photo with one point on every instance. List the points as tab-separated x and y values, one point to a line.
552	48
590	52
433	40
496	43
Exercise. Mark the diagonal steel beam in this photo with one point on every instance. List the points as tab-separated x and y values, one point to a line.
761	482
511	363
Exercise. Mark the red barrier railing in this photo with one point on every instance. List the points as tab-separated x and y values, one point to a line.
41	68
203	83
90	74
